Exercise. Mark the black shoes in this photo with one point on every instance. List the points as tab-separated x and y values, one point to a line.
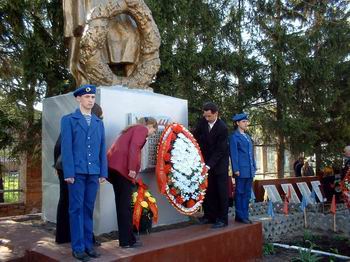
244	221
97	243
92	253
135	245
219	224
82	256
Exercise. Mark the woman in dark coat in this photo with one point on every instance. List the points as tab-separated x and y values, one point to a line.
124	161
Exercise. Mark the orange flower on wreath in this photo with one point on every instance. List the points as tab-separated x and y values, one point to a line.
167	157
173	192
190	203
167	169
177	129
200	197
204	185
179	200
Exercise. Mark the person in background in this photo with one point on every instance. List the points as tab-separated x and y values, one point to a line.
84	162
124	161
298	166
212	136
243	166
62	217
307	170
346	165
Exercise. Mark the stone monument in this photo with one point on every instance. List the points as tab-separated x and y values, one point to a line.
112	42
115	45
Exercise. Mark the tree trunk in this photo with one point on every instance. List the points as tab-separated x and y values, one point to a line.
318	155
2	200
280	143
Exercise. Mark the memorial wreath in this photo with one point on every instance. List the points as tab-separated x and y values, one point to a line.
181	171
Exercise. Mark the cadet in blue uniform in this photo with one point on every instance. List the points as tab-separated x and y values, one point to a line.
243	166
84	163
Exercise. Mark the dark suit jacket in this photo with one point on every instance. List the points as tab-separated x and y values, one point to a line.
125	153
214	145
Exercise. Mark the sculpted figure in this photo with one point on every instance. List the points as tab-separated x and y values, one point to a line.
111	42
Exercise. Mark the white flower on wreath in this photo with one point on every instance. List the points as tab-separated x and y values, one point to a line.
186	167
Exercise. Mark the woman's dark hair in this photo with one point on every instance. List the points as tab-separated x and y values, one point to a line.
97	110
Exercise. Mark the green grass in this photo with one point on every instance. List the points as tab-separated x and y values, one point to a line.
268	249
11	183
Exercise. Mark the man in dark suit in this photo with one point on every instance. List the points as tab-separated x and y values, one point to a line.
212	136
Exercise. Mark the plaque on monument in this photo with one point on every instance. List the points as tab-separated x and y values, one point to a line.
305	191
149	151
316	186
294	196
272	193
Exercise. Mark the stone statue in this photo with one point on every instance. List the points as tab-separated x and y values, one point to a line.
111	42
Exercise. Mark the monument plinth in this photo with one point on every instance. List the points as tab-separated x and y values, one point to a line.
120	105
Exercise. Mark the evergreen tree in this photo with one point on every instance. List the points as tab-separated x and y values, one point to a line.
191	52
32	64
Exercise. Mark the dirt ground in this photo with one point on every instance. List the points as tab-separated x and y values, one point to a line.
328	241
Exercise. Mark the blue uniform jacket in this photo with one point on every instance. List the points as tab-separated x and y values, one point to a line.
242	155
83	147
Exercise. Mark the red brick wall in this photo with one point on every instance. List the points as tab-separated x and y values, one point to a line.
33	189
32	193
12	209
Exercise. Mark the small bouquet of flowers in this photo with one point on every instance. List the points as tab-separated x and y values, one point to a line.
145	208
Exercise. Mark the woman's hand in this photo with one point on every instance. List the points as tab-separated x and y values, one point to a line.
69	180
102	180
132	174
237	173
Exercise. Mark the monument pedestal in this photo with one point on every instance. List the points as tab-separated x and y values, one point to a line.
120	107
236	242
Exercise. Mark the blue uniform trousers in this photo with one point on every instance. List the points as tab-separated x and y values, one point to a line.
242	196
82	195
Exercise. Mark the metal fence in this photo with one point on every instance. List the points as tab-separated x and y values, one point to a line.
10	180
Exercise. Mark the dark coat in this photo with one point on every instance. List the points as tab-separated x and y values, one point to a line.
214	145
125	153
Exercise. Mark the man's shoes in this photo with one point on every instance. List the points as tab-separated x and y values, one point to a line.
82	256
135	245
244	221
92	253
97	243
219	224
204	221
